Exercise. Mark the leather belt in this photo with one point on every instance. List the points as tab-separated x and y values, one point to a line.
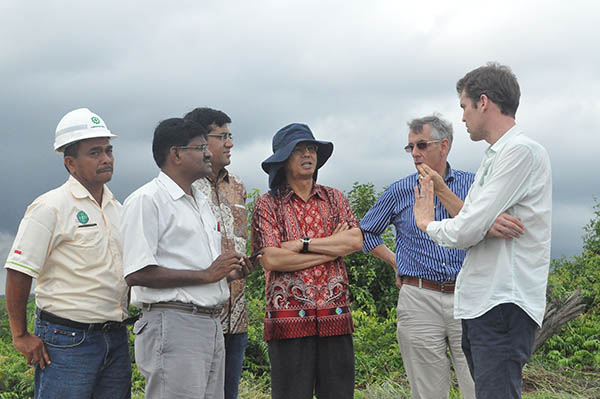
276	314
445	288
190	308
105	326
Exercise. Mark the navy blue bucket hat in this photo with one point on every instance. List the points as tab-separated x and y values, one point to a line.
284	142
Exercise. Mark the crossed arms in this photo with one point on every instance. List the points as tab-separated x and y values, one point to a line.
343	241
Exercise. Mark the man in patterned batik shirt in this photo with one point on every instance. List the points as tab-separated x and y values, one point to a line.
227	197
304	230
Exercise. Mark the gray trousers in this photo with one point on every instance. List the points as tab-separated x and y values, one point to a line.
181	355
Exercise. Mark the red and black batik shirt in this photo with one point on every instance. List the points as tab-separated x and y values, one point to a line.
313	301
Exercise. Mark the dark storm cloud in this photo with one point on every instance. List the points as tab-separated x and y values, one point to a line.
355	73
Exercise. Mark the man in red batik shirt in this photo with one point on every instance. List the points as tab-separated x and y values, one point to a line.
304	230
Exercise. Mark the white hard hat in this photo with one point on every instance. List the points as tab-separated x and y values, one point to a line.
78	125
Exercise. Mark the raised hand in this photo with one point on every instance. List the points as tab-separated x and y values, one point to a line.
423	208
426	171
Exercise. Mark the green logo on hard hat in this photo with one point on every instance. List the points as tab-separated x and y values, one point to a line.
95	120
82	217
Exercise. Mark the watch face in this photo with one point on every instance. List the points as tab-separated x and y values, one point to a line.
305	241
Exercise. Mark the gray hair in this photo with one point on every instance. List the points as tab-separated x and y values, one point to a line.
440	128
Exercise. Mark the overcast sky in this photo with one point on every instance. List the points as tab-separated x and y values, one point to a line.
354	71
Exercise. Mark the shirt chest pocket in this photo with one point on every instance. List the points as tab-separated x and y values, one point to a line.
216	241
87	235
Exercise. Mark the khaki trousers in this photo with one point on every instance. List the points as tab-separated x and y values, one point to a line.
426	330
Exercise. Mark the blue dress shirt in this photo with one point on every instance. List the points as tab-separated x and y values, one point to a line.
417	255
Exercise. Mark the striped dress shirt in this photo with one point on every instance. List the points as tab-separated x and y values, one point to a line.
417	255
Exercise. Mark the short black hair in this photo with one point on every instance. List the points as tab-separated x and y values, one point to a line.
71	150
173	132
207	116
497	82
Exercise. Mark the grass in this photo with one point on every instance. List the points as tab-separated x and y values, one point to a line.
539	382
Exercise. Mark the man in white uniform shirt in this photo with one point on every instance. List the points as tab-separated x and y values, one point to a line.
69	242
501	289
173	261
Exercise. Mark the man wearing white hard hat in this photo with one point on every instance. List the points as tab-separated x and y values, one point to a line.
69	241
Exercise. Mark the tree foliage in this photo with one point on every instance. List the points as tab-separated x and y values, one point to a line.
578	344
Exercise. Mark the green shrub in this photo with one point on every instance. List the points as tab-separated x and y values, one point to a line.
256	360
16	378
376	351
372	281
578	344
379	369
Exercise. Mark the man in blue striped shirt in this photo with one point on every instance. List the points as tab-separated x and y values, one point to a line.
425	271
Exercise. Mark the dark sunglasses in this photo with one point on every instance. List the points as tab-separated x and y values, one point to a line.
421	145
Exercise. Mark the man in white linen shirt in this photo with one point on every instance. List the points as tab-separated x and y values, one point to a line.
501	288
173	261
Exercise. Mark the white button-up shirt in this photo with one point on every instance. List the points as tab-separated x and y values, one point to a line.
163	226
72	247
514	177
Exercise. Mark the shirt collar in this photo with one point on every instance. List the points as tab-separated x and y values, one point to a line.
174	190
169	184
286	192
80	192
223	175
505	138
451	175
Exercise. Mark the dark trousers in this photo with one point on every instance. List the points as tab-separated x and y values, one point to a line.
497	345
235	347
301	366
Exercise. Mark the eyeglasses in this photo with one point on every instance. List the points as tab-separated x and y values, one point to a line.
201	147
300	150
421	145
223	136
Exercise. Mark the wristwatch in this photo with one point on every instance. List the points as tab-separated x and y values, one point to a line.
305	241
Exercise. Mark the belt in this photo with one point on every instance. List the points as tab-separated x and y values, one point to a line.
105	326
276	314
445	288
213	311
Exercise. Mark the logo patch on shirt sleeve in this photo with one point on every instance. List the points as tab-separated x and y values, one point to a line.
82	217
18	252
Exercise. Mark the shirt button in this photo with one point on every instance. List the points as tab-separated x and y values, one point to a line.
443	264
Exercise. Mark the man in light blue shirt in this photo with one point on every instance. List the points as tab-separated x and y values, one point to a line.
500	291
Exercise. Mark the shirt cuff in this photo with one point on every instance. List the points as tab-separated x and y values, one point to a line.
370	241
21	268
139	265
433	231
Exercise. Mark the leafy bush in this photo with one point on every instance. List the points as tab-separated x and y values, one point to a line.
372	281
372	286
16	378
256	360
578	344
376	352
